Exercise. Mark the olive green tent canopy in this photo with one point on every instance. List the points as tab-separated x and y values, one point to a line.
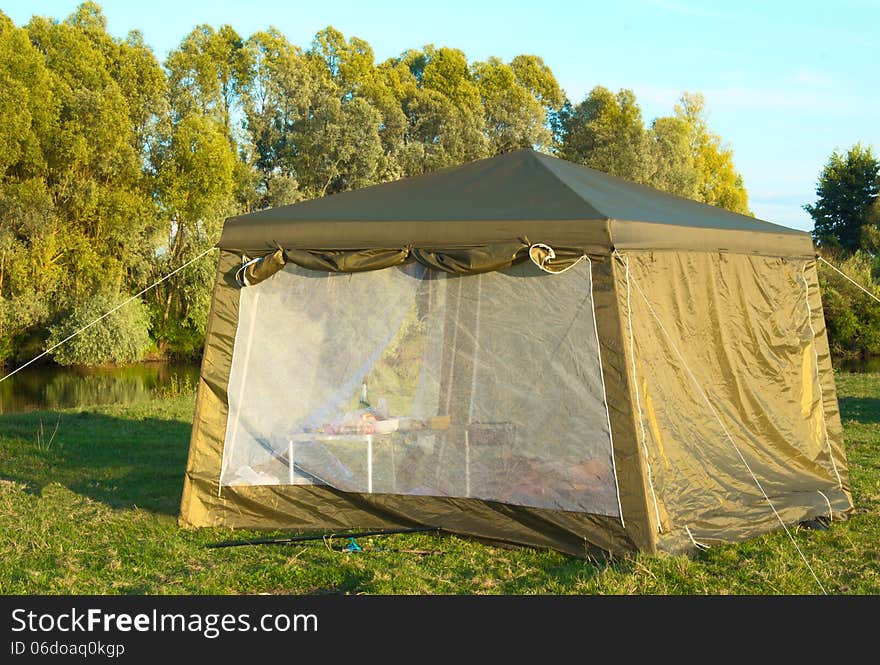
520	349
517	195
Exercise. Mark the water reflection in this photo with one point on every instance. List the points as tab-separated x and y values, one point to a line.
64	387
870	365
48	387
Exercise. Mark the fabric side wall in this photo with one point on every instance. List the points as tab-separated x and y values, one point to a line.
834	429
630	474
212	405
725	355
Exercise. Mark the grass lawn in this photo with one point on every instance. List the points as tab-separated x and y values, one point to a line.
93	510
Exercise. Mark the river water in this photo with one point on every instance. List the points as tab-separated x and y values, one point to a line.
50	387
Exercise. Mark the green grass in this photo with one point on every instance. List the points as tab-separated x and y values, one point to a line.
93	510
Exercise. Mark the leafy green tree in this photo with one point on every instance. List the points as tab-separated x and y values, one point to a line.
32	275
535	76
30	249
313	127
75	208
349	63
515	102
337	134
846	209
275	95
122	337
670	164
606	132
852	318
195	169
199	177
96	159
206	74
718	182
446	71
442	106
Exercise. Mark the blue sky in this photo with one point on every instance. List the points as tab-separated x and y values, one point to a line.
786	83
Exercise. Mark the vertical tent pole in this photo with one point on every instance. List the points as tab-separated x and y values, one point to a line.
454	322
290	461
467	463
369	463
393	466
471	406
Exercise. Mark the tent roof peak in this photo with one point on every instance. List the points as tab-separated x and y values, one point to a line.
518	193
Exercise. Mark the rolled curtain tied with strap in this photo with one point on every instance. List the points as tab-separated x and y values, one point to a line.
462	261
253	271
555	261
355	260
473	260
256	270
458	261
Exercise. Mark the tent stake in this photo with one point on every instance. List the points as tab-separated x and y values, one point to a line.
304	539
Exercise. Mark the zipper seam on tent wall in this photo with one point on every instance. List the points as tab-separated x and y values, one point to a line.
604	395
644	435
816	373
247	353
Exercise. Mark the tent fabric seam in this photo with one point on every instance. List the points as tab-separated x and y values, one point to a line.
604	394
641	416
816	373
639	186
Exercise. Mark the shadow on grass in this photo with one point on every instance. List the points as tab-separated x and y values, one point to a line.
121	462
865	410
568	572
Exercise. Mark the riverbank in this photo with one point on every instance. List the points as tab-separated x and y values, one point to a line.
91	509
53	387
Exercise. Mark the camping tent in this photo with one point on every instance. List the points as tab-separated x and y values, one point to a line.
520	349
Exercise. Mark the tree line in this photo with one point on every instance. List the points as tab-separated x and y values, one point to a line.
846	217
115	168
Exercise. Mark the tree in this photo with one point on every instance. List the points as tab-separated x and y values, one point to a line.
605	132
95	163
336	134
206	74
197	173
853	318
195	169
515	100
75	205
846	209
670	163
122	337
313	128
431	111
275	95
30	250
718	182
535	76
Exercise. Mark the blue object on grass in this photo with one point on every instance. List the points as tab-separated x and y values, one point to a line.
352	546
